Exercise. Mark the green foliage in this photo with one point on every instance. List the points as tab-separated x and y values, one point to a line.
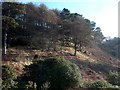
114	78
11	13
55	74
37	60
98	36
9	21
42	28
0	83
30	85
8	77
45	86
100	85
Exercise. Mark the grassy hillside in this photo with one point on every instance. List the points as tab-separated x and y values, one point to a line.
94	64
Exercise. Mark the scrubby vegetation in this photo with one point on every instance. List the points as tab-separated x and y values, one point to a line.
57	74
114	78
8	77
100	85
54	74
34	35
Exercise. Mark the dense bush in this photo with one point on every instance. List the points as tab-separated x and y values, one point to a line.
54	74
114	78
100	85
8	77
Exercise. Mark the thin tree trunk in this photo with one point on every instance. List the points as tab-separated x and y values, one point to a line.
75	47
80	47
5	43
61	47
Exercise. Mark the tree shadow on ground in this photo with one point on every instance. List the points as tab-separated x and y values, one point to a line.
97	67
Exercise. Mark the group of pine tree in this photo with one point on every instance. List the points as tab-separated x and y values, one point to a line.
38	27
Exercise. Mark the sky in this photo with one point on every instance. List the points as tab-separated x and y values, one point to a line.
103	12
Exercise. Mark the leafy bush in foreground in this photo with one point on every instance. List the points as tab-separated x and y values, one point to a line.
100	85
55	74
8	77
114	78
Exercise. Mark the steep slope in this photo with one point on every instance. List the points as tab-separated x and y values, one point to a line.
94	65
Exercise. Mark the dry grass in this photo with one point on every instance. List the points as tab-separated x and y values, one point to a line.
19	66
21	58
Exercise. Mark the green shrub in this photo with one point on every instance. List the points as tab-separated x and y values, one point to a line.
100	85
30	86
57	74
37	60
114	78
8	77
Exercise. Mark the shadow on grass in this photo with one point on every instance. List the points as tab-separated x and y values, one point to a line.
97	67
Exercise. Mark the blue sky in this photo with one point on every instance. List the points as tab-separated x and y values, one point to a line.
103	12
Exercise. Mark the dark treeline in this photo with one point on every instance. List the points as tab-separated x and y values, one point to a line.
112	46
38	27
